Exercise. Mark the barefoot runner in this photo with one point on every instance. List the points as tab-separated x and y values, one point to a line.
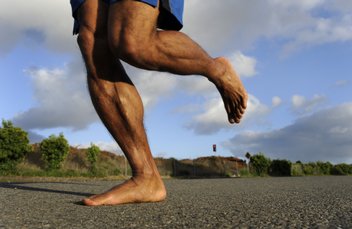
145	34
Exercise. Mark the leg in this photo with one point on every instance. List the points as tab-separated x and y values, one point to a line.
120	108
133	37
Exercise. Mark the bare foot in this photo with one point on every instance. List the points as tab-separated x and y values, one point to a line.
232	91
135	190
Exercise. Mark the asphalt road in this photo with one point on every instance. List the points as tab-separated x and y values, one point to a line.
301	202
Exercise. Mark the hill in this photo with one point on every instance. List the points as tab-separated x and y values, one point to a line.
109	164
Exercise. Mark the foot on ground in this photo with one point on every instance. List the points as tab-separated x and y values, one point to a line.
232	91
135	190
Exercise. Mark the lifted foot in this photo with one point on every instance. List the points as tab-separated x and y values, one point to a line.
232	91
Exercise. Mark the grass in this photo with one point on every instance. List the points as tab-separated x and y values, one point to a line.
109	165
75	165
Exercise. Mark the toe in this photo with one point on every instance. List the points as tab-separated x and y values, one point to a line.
89	202
244	100
233	113
231	117
229	110
241	110
238	110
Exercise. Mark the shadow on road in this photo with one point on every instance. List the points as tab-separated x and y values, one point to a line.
21	186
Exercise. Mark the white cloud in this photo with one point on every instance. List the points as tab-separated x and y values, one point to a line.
212	120
197	85
297	4
276	101
340	5
152	86
104	146
214	117
62	99
324	135
256	112
323	31
301	105
34	137
298	101
238	24
52	20
234	25
244	65
315	28
342	83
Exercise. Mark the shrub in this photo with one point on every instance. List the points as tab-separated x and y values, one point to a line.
92	155
14	145
324	167
280	168
244	172
297	169
341	169
260	164
310	169
54	151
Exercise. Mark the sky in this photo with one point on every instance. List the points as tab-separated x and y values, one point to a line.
293	56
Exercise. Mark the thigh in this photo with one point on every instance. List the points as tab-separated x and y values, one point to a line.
92	15
132	19
92	39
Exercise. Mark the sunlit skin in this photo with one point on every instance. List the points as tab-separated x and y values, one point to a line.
127	31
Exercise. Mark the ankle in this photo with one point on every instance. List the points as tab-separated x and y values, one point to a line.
216	70
140	174
153	181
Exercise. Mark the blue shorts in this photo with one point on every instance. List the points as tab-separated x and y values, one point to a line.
170	17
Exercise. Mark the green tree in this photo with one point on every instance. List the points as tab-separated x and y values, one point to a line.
92	155
324	167
54	150
341	169
297	169
310	168
14	145
260	164
280	168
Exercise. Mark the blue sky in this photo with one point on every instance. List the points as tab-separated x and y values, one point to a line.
294	57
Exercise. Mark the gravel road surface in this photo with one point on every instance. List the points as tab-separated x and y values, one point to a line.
297	202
